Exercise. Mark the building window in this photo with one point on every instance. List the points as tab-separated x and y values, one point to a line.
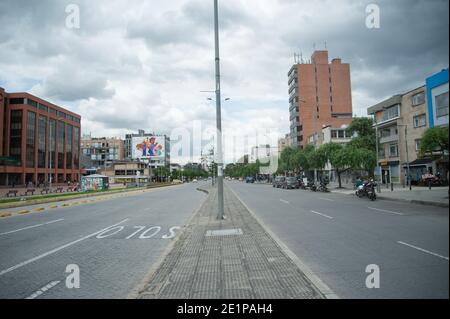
418	98
441	102
52	143
16	100
42	143
420	120
417	143
52	111
391	113
15	132
393	150
31	139
32	103
61	130
43	107
333	134
68	146
341	134
76	147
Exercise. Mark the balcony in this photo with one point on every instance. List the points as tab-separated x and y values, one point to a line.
389	139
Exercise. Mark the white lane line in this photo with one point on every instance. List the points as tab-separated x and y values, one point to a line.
328	199
5	271
16	230
284	201
314	212
29	227
385	211
423	250
53	221
43	289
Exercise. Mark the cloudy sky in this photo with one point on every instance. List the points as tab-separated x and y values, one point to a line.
142	64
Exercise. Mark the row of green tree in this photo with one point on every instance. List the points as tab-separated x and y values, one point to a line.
357	155
190	171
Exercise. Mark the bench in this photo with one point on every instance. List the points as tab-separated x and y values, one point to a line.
12	192
46	191
59	189
28	191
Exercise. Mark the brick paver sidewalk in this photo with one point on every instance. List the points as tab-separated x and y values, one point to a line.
247	264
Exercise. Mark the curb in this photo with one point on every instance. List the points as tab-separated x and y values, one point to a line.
316	281
410	201
415	201
37	201
140	287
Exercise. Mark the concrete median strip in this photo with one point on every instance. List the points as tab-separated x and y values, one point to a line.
5	215
239	259
21	212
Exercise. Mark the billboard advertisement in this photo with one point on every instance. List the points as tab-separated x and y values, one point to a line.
148	147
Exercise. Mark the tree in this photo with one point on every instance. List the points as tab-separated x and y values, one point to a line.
340	157
365	136
434	139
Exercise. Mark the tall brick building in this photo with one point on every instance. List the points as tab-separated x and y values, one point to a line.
319	95
37	138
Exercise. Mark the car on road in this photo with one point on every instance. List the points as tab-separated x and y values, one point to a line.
278	181
250	179
290	183
194	180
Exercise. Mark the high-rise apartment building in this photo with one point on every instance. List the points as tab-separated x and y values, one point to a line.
319	95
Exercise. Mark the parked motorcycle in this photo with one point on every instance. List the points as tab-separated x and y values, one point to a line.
312	186
323	188
367	189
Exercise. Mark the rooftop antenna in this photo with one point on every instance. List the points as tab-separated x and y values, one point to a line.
301	57
325	45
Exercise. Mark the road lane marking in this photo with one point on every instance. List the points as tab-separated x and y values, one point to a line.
314	212
385	211
423	250
284	201
5	271
29	227
43	289
328	199
14	231
53	221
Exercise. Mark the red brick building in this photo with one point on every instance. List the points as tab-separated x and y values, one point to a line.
319	95
37	138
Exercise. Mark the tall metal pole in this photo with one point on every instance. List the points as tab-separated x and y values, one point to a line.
218	114
376	150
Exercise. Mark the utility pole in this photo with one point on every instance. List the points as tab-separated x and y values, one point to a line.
376	150
218	115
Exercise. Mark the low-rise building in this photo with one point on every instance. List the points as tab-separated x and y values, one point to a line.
284	143
437	93
335	135
128	172
101	151
401	122
39	141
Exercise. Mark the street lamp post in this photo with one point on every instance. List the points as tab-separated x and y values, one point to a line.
408	176
378	162
218	115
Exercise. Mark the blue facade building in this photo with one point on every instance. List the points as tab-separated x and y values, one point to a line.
437	94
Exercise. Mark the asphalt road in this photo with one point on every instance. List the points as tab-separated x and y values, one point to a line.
113	241
339	235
